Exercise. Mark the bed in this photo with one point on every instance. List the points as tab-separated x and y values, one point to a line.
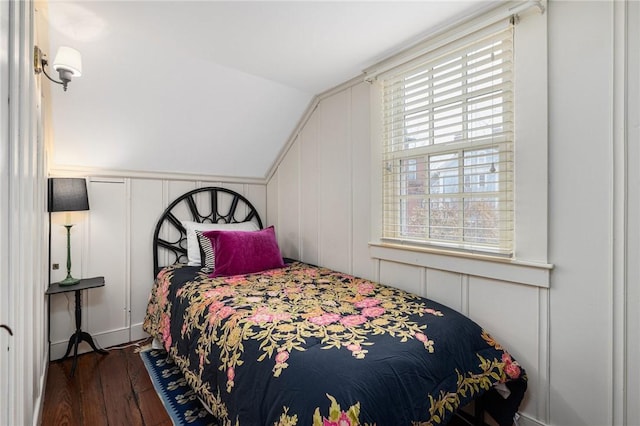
298	344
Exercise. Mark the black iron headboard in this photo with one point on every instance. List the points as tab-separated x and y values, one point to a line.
238	209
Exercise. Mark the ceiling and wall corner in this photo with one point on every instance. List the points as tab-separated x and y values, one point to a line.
213	87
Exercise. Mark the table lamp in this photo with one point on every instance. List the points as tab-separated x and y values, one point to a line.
67	195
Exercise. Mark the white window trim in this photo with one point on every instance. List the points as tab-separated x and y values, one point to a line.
531	106
412	91
474	264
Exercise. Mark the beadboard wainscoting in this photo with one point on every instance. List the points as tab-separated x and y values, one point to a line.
114	239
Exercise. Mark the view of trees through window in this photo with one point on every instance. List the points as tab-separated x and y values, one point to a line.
438	179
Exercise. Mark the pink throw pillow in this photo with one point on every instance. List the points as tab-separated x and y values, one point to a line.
238	252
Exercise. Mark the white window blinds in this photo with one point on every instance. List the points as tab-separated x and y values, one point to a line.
448	146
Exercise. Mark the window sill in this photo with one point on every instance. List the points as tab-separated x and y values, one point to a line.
482	265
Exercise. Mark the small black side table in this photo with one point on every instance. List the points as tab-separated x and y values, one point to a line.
79	335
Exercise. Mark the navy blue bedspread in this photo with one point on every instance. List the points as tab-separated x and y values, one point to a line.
304	345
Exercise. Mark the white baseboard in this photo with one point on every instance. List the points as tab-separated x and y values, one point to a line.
102	340
137	333
525	420
38	405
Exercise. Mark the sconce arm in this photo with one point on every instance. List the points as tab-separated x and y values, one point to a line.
44	70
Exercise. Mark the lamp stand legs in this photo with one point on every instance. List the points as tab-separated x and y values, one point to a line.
80	336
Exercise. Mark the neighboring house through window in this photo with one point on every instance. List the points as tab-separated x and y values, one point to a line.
448	154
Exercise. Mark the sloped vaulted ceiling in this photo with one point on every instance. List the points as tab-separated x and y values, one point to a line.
213	87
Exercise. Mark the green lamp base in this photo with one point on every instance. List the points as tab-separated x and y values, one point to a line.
69	281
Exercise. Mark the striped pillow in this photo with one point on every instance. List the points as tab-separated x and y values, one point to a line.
207	254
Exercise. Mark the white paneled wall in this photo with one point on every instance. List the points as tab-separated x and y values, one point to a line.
143	193
324	200
574	328
406	277
308	182
23	250
114	240
106	253
320	200
361	153
334	182
448	289
289	219
632	354
495	305
319	192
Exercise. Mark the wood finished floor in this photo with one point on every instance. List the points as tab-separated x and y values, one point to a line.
112	389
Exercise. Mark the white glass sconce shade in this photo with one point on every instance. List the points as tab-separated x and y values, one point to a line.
68	59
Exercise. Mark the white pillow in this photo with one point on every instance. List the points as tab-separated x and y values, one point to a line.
193	247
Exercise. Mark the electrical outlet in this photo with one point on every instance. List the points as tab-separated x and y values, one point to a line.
55	266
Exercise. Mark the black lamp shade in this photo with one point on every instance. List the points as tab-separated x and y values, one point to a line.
67	195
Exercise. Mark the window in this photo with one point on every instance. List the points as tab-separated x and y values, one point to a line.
448	146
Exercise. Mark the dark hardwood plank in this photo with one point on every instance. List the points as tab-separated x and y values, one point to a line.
140	380
62	406
88	376
112	389
151	408
120	403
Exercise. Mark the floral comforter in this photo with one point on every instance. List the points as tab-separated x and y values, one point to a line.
304	345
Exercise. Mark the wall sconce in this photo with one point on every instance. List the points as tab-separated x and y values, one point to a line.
68	63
